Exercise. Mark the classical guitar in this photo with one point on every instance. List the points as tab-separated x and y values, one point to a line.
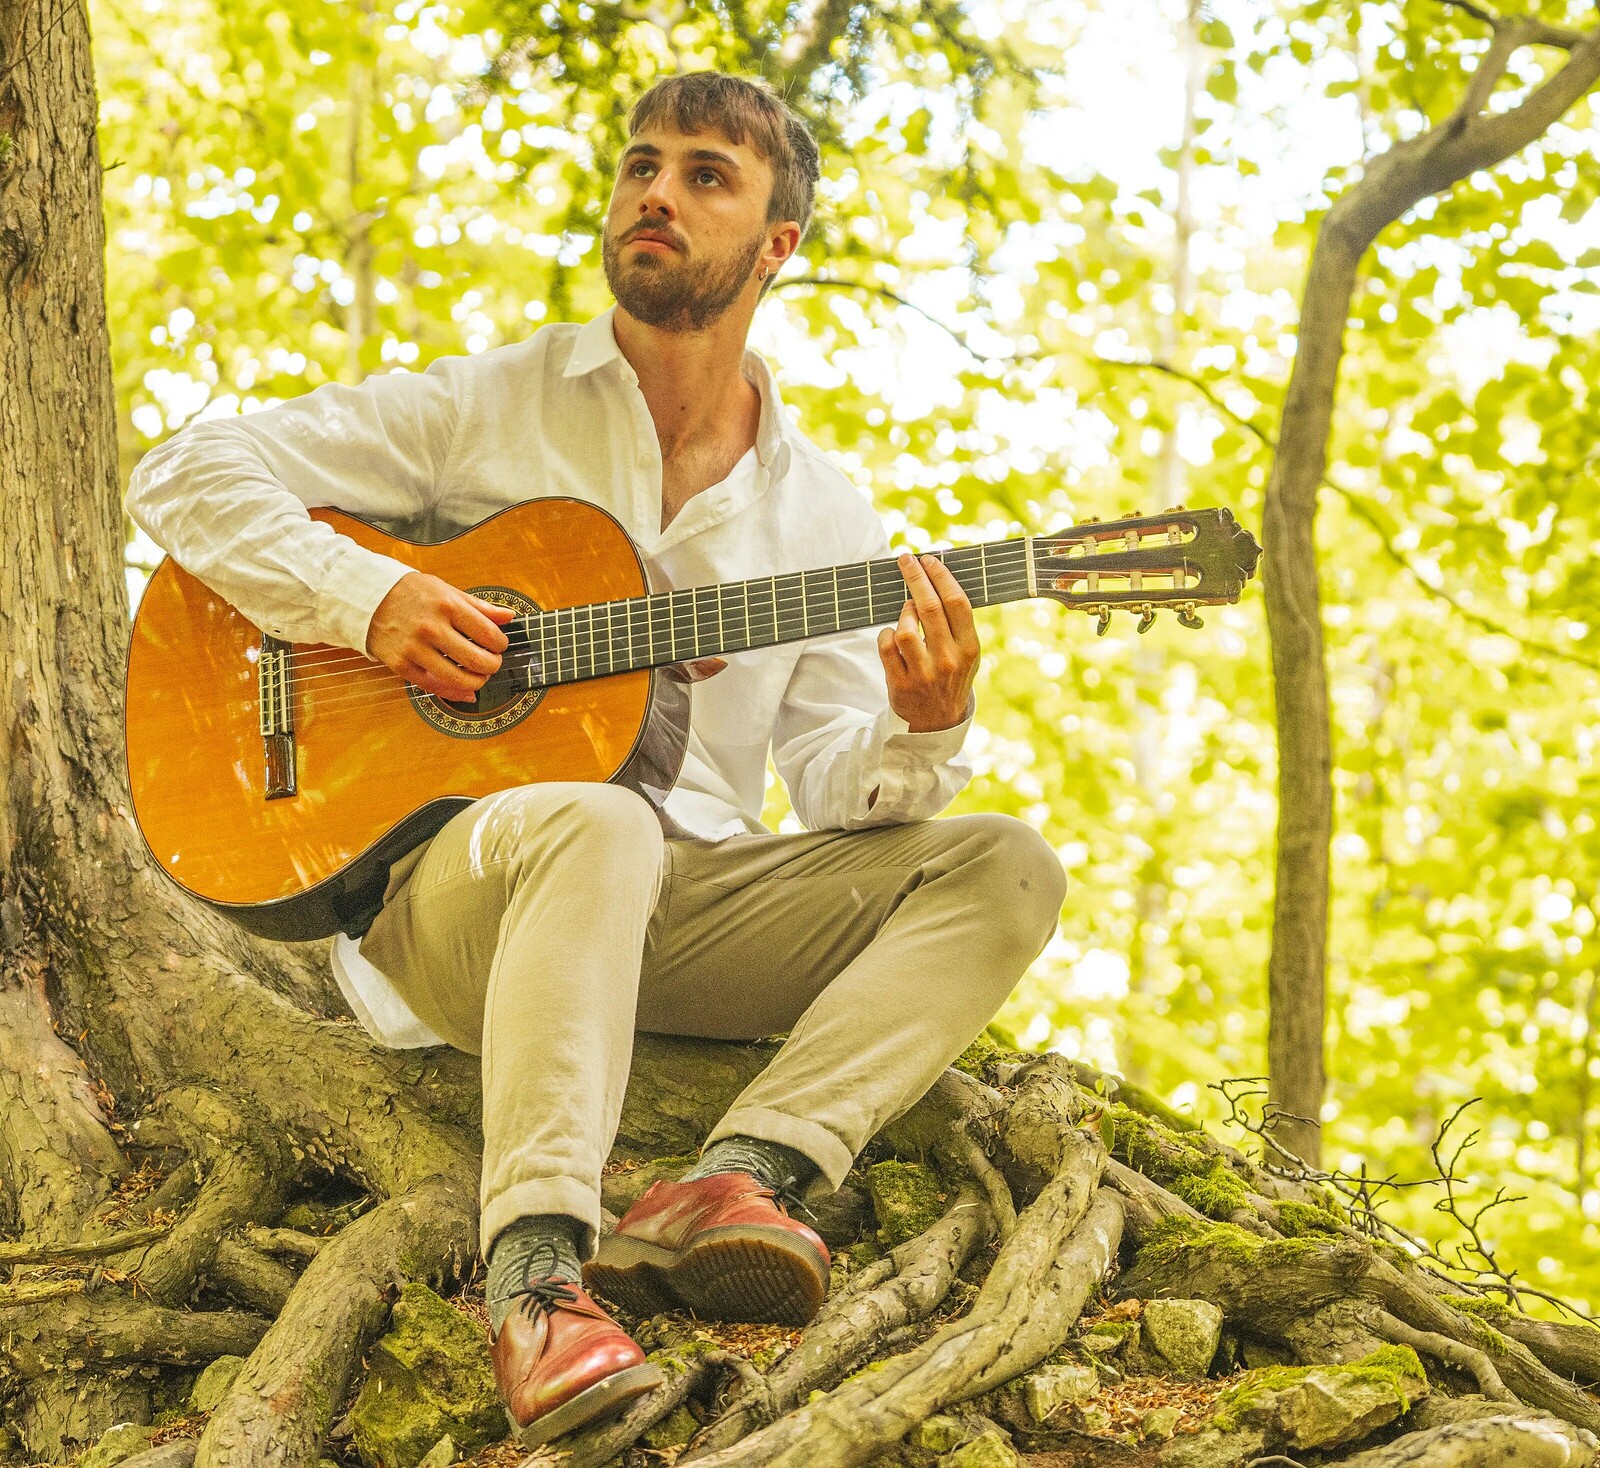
277	782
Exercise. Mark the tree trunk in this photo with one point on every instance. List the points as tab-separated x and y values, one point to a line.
1433	162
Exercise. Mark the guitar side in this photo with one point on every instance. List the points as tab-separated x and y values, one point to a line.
373	776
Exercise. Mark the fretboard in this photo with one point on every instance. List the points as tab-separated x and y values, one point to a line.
601	638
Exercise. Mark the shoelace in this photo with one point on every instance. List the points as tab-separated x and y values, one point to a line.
548	1293
787	1193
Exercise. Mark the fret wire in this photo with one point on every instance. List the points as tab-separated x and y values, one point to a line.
880	582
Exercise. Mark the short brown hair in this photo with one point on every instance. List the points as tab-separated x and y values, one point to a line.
743	111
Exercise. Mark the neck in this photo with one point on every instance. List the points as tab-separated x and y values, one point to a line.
692	381
594	641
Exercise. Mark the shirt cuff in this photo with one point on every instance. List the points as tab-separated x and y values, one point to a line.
932	746
357	580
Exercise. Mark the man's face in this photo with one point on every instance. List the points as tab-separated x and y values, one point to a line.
686	227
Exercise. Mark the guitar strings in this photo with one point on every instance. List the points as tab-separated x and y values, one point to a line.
370	695
368	682
956	558
346	664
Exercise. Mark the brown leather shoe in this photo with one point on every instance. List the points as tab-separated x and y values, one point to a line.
561	1362
722	1247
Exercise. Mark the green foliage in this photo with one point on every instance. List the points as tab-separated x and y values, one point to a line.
310	191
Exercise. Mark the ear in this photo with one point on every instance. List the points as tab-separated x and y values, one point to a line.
782	241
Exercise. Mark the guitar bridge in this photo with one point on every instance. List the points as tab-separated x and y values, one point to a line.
276	704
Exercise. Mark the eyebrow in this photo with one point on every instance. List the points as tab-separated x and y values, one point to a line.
699	155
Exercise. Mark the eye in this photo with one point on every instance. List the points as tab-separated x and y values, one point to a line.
640	168
706	175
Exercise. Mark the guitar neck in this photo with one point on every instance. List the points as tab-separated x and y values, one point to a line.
597	639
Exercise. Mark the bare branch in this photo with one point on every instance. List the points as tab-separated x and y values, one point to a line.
1507	38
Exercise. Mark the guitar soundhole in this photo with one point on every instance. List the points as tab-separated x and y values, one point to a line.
505	700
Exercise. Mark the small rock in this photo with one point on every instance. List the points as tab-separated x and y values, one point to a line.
990	1449
673	1431
215	1382
1212	1449
1324	1406
441	1455
1159	1423
1096	1420
430	1377
116	1443
1183	1333
1108	1337
1052	1387
939	1434
905	1199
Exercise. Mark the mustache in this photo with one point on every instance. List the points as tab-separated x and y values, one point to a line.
643	226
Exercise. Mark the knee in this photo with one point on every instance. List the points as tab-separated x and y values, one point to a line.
1019	876
599	824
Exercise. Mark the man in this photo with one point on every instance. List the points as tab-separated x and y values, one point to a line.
543	925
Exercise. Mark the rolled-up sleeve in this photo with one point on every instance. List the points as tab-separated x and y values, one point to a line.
847	759
228	498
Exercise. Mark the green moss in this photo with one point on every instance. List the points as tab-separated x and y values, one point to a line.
905	1198
1174	1238
1136	1098
1297	1220
1216	1191
1482	1306
980	1054
1389	1366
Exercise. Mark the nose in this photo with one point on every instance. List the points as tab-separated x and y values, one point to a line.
657	199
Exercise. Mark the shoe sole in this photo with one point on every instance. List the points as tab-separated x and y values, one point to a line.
606	1396
741	1272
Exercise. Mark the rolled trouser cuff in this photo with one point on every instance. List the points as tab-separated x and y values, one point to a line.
832	1157
562	1195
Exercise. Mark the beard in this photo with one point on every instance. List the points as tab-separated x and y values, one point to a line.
672	292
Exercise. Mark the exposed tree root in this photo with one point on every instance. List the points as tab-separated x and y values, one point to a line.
1469	1358
256	1280
1544	1442
917	1278
284	1398
249	1168
1311	1294
57	1155
109	1328
1059	1252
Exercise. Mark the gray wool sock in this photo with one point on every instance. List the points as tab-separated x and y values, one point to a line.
535	1246
770	1163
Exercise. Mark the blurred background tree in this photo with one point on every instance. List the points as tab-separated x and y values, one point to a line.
1055	274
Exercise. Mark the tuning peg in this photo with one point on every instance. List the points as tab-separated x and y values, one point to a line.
1102	624
1147	617
1187	617
1174	509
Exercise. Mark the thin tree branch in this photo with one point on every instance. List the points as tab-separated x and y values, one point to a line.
1356	502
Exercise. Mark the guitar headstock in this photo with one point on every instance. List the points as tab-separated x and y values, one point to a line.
1181	558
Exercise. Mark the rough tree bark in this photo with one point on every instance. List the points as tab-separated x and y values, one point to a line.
1395	181
141	1033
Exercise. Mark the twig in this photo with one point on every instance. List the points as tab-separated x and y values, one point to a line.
60	16
1469	1358
988	1176
25	1253
1167	369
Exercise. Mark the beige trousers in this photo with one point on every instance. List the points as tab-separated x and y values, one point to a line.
545	924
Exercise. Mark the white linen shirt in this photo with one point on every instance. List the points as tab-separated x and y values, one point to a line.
432	453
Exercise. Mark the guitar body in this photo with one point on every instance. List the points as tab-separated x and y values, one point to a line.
293	838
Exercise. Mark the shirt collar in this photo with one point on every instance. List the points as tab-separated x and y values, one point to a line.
595	345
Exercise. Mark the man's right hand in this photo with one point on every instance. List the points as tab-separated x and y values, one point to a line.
447	642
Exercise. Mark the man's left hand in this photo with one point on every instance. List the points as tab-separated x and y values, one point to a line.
930	656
